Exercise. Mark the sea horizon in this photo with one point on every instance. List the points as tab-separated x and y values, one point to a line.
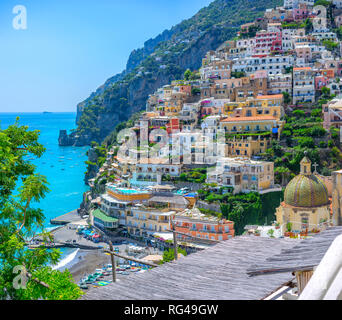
37	112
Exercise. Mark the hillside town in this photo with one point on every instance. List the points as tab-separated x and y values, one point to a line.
208	169
241	130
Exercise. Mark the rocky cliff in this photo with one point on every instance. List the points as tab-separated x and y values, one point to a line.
161	60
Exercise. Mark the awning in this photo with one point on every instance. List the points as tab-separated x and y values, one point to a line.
103	217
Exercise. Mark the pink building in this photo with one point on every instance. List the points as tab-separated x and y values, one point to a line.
321	81
332	114
186	89
266	42
300	13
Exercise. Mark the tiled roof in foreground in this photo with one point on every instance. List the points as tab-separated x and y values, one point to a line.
219	272
304	255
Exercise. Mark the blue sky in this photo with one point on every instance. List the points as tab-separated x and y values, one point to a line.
70	47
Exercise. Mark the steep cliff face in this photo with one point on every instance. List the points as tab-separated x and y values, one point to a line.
161	60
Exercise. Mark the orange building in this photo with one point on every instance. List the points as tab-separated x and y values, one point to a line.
128	194
330	73
194	223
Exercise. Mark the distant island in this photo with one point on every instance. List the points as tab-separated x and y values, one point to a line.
46	112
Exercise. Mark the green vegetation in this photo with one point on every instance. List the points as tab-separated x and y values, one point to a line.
219	21
252	30
111	140
238	74
287	98
271	233
101	155
198	175
243	209
330	45
189	75
303	131
169	255
209	212
324	3
20	188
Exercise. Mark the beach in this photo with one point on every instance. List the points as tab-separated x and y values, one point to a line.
86	262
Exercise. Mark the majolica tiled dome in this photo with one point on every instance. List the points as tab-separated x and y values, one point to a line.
306	191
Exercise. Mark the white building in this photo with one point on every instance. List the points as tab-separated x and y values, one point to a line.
303	85
243	174
272	64
114	208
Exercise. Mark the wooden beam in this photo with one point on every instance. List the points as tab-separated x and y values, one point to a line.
280	270
131	259
112	257
174	241
29	275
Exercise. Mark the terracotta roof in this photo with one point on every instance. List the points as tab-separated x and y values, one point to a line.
153	161
305	255
302	68
237	119
271	96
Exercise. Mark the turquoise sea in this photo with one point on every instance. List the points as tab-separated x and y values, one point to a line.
64	167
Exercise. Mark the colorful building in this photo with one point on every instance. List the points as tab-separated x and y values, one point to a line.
145	221
243	174
303	85
195	224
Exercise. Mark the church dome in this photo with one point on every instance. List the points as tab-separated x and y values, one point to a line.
306	191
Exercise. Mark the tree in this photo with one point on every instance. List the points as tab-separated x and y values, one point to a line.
187	75
325	92
169	255
195	91
330	45
308	25
20	187
287	98
284	172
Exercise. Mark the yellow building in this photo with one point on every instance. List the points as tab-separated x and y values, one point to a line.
146	221
247	146
250	124
261	106
307	204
